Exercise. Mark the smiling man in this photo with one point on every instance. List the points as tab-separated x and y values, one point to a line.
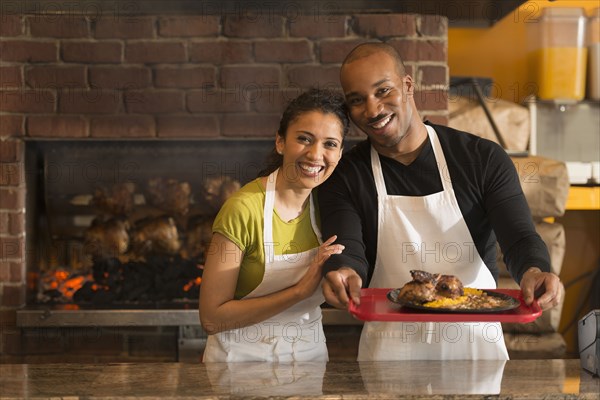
419	196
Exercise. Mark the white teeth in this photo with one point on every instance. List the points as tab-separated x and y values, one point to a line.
382	123
310	170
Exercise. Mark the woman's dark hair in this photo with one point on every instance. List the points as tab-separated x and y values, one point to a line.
322	100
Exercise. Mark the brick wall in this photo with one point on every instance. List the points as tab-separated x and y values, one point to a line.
176	76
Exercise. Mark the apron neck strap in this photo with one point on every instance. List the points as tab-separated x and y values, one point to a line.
269	244
437	152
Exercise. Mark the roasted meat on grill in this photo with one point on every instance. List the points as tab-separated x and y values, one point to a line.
156	235
107	239
118	201
169	195
216	190
198	239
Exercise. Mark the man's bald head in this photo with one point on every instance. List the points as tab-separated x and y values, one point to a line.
366	49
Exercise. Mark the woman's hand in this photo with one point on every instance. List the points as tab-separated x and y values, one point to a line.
311	280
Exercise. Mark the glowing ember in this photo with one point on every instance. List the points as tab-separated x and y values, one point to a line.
60	285
191	284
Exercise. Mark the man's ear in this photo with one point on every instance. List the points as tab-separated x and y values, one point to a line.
409	85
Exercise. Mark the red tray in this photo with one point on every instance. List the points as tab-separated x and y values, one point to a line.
375	306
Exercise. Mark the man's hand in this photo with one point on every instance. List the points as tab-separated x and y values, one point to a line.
341	285
545	285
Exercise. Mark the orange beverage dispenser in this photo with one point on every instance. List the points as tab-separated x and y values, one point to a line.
559	56
594	55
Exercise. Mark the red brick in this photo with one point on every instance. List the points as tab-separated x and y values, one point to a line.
284	51
148	102
51	77
432	50
385	25
16	221
122	126
11	174
12	198
58	26
263	125
4	228
56	126
431	100
184	78
217	101
245	77
4	265
120	77
124	28
12	223
27	101
221	52
13	296
406	47
188	126
11	77
17	272
28	51
93	101
335	51
432	25
92	52
274	101
11	151
433	75
253	26
436	119
11	25
318	26
317	76
155	52
189	26
11	125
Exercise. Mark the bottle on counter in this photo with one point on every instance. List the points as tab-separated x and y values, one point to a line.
593	28
559	56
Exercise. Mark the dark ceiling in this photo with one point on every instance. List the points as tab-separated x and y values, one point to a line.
468	13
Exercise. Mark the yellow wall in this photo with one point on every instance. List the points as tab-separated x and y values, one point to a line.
500	51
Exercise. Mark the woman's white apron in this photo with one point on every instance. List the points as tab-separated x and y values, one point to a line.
295	334
427	233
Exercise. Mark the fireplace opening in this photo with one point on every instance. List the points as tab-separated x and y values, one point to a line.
112	223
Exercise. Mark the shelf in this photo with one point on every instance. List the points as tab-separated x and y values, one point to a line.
583	198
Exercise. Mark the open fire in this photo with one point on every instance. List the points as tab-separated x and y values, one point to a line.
137	229
140	251
111	281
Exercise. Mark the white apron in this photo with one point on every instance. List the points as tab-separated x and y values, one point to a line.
427	233
295	334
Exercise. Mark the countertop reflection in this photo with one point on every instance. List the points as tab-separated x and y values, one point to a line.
548	379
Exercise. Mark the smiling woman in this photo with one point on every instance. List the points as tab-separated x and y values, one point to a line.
263	271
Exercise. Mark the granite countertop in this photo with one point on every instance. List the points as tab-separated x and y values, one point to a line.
518	379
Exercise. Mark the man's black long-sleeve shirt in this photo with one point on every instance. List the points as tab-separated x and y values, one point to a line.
486	185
